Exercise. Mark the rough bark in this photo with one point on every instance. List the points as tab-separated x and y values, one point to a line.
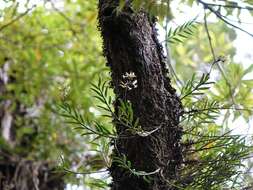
131	45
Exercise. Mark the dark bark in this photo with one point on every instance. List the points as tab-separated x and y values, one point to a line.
131	45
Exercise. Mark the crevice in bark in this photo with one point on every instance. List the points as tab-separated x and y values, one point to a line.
131	45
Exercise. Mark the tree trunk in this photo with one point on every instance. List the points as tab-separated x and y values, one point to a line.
131	46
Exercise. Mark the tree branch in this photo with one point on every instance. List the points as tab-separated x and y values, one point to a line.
221	17
232	6
15	19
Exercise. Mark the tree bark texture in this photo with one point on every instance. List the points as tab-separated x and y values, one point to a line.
131	45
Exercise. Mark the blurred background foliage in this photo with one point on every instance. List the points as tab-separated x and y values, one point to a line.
54	52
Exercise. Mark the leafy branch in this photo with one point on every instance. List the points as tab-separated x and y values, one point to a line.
125	115
154	7
126	164
101	94
203	111
193	87
215	167
15	19
182	32
73	117
64	165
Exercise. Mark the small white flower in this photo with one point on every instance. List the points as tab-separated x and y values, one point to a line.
129	75
135	83
129	81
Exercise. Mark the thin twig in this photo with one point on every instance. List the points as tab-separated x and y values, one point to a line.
84	173
231	91
217	13
16	19
168	60
230	6
209	37
218	108
237	21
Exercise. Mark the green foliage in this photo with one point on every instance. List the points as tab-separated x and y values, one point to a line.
126	164
53	55
101	133
56	53
97	183
238	94
74	117
196	87
220	161
195	53
181	32
154	7
101	91
212	158
202	111
125	115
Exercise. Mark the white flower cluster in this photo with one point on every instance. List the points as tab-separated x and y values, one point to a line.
129	81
